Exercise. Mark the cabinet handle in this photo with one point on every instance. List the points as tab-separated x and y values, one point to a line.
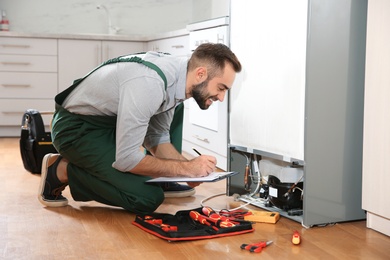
201	139
177	46
220	38
12	112
15	63
22	112
15	46
46	112
16	85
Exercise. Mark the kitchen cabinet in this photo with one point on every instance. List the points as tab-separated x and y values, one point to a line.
28	79
77	57
205	130
34	69
112	49
299	100
376	145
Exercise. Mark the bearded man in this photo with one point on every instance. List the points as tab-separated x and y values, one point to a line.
102	121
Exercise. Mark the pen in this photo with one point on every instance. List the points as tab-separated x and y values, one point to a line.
196	151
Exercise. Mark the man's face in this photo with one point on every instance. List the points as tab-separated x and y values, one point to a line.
210	90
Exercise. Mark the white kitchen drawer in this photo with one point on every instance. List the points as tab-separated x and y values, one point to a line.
212	140
12	110
28	46
28	85
215	35
177	46
28	63
188	152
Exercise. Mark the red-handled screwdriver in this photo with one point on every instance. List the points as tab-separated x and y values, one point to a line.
154	221
201	219
168	228
218	220
212	214
296	238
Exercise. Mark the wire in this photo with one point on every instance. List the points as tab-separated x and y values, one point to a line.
211	197
217	195
257	170
293	187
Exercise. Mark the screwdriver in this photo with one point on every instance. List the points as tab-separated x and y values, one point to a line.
201	219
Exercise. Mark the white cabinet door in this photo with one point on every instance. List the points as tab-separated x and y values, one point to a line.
75	59
112	49
376	140
206	130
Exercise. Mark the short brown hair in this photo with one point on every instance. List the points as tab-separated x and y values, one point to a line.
213	56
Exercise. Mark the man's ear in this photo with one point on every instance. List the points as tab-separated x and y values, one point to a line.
201	74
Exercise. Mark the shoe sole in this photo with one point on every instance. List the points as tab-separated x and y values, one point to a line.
45	166
179	194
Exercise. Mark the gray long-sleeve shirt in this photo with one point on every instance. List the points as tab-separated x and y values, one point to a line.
136	94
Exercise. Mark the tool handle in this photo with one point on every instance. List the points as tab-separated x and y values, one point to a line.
296	238
256	249
243	246
198	217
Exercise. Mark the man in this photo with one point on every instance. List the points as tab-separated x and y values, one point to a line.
101	123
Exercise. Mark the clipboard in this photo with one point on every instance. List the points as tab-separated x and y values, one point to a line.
212	177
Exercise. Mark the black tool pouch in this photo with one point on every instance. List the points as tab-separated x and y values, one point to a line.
185	227
35	143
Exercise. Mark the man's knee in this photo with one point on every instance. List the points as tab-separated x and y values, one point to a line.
145	204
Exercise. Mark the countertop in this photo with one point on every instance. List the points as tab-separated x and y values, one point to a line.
106	37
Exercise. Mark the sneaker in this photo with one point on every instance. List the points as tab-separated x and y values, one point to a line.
176	190
50	189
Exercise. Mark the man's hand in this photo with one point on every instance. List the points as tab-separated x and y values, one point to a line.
201	166
194	184
167	162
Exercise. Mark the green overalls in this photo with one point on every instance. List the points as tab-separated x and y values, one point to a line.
88	142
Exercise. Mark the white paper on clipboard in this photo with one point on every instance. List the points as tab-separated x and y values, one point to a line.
214	176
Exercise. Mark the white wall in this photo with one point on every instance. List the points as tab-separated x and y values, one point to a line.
132	16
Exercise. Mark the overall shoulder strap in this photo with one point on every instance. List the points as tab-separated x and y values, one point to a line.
61	96
138	60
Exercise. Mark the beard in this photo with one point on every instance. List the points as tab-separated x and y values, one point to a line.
200	95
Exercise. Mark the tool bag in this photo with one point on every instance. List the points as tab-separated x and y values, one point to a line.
181	227
35	143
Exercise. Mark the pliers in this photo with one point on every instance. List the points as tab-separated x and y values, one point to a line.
255	247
